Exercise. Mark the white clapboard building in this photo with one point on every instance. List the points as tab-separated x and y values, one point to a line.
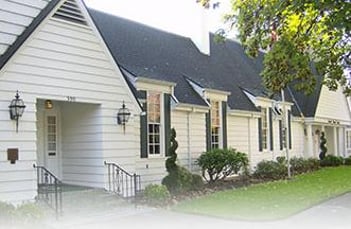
75	68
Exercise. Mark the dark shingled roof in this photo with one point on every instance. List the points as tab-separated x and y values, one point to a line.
148	52
306	104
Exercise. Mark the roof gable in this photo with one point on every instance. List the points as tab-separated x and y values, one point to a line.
34	14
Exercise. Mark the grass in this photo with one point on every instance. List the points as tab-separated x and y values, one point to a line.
273	200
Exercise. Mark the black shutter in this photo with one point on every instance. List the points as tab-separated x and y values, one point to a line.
271	129
143	130
281	135
167	119
224	124
289	129
208	130
260	145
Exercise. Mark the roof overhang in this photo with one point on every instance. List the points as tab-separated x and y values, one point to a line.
143	83
191	108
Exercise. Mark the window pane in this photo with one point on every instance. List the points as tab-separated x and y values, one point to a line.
157	149
52	129
51	120
52	146
51	137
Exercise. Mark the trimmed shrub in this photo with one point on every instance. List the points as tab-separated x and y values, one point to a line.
332	161
25	214
217	164
300	165
313	164
270	170
197	182
281	160
156	194
323	147
29	213
179	181
347	161
6	211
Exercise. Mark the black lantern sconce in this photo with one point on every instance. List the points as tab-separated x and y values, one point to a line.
123	116
16	109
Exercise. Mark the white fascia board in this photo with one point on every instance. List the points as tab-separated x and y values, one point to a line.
243	113
191	108
143	83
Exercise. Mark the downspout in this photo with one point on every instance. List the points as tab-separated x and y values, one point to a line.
249	136
188	143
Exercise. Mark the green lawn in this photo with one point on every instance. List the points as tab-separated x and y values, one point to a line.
273	200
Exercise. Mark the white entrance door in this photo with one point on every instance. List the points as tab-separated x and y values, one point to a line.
52	152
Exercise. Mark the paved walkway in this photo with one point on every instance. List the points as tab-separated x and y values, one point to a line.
331	214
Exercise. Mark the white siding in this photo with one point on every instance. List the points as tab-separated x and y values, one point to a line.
243	136
15	17
62	61
333	105
191	138
297	139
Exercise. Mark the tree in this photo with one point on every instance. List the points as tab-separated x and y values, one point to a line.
171	165
179	179
301	38
322	146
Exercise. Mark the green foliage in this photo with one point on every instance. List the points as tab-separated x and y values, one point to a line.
276	170
6	211
179	179
281	160
300	165
197	182
171	160
23	214
270	170
273	200
156	194
322	146
220	163
332	161
295	34
347	161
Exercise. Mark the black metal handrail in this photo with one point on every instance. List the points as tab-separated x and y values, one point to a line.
121	182
49	189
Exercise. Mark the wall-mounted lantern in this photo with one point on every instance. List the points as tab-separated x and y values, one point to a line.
123	116
48	104
16	109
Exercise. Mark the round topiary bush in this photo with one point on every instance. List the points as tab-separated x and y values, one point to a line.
347	161
332	161
217	164
270	170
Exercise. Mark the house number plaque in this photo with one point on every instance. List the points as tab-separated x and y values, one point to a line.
71	99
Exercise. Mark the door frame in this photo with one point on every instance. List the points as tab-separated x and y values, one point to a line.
47	113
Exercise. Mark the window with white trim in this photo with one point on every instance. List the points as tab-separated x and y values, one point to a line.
283	131
154	122
264	130
348	139
215	125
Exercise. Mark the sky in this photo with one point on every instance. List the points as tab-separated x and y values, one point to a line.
178	16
